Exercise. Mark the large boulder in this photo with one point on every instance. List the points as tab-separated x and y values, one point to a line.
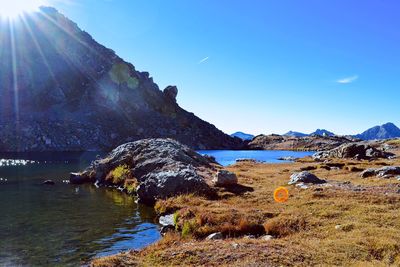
359	150
160	168
225	178
305	177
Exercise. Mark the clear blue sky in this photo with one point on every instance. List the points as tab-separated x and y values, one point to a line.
261	66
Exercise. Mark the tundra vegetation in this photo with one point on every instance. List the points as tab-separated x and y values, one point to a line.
348	221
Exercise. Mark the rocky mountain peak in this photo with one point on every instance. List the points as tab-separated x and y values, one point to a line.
57	83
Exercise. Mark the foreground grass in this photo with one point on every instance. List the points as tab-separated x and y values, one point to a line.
354	222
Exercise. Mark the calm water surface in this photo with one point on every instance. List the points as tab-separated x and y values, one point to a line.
228	157
65	225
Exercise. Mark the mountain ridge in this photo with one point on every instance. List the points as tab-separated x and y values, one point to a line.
385	131
60	90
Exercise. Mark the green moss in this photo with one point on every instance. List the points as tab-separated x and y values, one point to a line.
120	174
187	229
176	217
120	73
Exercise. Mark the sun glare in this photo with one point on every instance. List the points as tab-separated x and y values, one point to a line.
14	8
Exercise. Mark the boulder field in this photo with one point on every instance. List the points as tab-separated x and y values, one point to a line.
153	169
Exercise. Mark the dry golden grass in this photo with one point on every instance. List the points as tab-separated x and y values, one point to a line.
346	224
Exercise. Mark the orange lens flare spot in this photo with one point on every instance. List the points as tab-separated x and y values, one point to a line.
281	194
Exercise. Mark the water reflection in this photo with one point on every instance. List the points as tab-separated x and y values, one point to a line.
65	224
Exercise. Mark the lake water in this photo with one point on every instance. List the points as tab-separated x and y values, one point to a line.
64	225
67	225
228	157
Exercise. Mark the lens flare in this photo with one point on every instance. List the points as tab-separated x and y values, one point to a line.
14	8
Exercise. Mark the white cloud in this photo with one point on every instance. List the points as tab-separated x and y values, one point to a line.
203	60
348	79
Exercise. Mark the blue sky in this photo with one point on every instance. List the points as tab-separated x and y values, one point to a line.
261	66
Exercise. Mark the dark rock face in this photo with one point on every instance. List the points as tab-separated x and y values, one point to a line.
75	94
306	143
358	150
305	177
161	167
385	131
171	92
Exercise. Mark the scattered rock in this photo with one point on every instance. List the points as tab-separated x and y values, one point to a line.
287	158
359	151
247	160
267	237
384	172
223	178
302	186
215	236
305	177
48	182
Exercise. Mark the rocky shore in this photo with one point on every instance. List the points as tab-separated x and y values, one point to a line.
241	224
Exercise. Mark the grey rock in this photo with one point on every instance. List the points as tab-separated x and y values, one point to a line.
359	151
223	178
305	177
267	237
166	220
388	171
384	172
215	236
162	168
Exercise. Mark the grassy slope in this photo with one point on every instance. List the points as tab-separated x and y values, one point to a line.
305	224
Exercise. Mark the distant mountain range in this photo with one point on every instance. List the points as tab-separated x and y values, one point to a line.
320	132
385	131
243	136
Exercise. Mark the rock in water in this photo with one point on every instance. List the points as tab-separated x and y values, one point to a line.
224	178
48	182
84	96
305	177
161	168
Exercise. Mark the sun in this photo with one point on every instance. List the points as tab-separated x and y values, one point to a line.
14	8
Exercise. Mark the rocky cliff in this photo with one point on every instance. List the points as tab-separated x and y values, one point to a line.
60	90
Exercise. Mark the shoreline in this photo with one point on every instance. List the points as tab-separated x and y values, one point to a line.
315	226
